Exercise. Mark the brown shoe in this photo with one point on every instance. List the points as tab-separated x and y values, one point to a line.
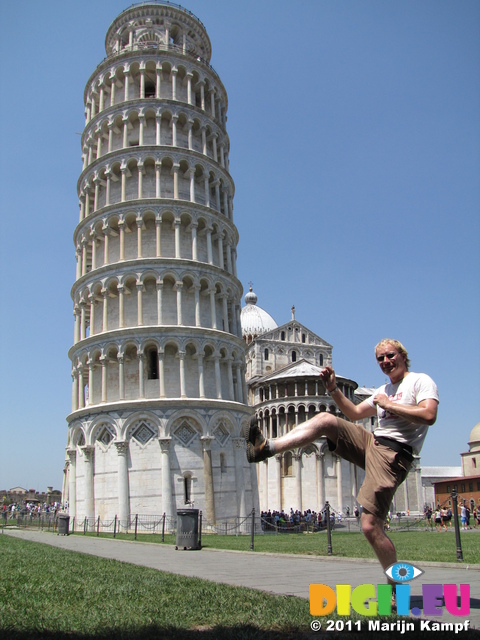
257	445
257	454
252	432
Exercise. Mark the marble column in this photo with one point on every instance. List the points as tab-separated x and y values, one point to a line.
201	381
263	488
181	357
104	391
123	485
239	458
297	458
141	377
167	497
339	484
406	496
239	382
139	286
278	482
121	376
161	372
158	234
72	483
89	461
321	481
218	377
353	484
208	479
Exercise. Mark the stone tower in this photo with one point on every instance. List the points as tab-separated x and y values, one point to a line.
158	364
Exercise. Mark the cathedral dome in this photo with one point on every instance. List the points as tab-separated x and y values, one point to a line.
474	439
254	319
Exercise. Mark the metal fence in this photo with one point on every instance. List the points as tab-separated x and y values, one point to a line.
44	521
136	524
167	524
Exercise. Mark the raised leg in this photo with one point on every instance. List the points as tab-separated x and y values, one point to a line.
258	448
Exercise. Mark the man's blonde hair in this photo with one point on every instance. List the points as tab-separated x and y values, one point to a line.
398	346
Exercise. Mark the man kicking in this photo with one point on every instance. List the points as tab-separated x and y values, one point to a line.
405	408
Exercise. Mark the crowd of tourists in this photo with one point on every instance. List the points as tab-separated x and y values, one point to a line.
302	520
29	509
442	517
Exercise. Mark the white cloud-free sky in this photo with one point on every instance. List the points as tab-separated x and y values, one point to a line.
355	150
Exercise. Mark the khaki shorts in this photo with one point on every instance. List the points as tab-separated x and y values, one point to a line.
385	469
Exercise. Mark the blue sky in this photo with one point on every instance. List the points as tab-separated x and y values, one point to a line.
355	150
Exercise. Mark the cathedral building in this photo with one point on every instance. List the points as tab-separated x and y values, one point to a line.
158	360
283	364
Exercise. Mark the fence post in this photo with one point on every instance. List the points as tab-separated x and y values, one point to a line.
85	526
252	538
200	530
98	526
163	527
457	527
115	527
136	525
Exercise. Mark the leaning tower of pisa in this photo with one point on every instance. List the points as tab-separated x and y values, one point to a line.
158	399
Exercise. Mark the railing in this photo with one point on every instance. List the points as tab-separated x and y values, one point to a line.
168	4
134	523
164	524
48	521
167	524
164	46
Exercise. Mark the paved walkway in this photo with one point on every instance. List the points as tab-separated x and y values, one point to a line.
275	573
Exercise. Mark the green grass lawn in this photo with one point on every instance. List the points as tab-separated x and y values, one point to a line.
52	594
413	546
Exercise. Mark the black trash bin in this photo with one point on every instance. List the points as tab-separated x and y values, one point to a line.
63	524
187	529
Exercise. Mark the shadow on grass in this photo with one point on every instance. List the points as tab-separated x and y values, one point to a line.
242	632
154	632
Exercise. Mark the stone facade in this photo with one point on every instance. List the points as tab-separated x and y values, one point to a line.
158	367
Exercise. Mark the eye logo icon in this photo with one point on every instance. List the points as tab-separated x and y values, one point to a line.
402	572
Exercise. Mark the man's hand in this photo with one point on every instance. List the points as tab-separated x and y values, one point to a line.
328	378
346	406
381	400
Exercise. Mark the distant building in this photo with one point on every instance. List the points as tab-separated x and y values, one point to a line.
21	495
471	459
19	490
433	475
467	482
468	491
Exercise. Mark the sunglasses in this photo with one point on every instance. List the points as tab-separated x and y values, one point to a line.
389	356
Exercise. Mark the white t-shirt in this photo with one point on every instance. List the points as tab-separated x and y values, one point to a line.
411	390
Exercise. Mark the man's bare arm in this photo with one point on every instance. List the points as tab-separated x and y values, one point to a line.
425	412
347	407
